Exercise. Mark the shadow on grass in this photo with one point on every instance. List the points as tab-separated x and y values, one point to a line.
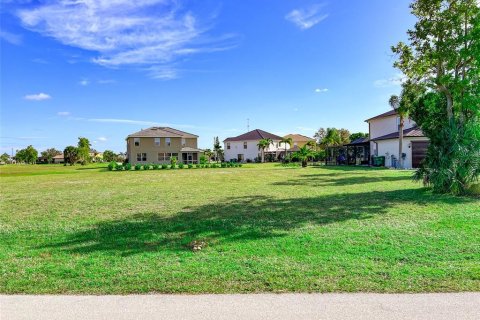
317	180
235	220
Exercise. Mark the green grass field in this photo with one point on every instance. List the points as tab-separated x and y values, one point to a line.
266	228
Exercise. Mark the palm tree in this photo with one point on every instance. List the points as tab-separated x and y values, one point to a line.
286	140
208	153
396	103
303	154
262	145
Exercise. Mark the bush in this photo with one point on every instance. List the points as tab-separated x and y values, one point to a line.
138	166
128	166
180	165
206	165
155	166
146	166
119	167
249	160
111	166
203	159
198	166
190	166
224	165
173	162
240	164
164	166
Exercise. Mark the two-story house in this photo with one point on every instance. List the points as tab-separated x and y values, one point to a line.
384	139
159	144
245	146
298	141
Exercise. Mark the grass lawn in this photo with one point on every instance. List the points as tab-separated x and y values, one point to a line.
266	228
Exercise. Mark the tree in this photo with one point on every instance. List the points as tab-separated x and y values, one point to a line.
394	102
358	135
5	157
208	153
262	145
83	150
50	153
70	155
320	135
344	136
28	155
286	141
332	138
441	64
217	148
303	155
109	156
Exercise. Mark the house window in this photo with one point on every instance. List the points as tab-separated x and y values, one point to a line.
168	142
157	141
141	157
184	142
228	145
245	145
166	156
136	142
398	121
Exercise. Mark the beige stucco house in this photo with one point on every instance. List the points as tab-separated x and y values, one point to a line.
298	141
159	144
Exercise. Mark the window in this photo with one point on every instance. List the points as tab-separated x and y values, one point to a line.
168	142
136	141
228	145
166	156
157	141
245	145
141	157
184	142
398	121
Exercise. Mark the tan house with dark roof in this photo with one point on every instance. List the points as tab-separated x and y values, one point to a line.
298	141
159	144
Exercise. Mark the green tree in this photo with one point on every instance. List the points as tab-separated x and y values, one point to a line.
344	136
262	145
441	63
208	153
395	103
332	138
50	153
286	141
70	155
303	155
83	150
109	156
217	148
320	135
5	157
28	155
357	135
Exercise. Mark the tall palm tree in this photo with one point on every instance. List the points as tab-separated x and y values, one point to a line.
396	103
286	141
262	145
303	154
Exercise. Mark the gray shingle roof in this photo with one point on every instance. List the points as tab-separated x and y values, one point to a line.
383	115
256	134
410	132
161	132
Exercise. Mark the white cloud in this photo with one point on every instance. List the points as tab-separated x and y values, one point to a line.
124	32
12	38
394	81
103	139
37	97
63	113
84	82
321	90
305	18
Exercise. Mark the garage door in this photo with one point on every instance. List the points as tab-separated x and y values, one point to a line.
419	151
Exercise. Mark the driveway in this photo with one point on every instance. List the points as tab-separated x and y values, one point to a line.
244	306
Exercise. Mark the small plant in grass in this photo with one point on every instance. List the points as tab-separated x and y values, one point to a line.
180	165
111	166
138	166
164	166
155	166
128	166
119	167
190	166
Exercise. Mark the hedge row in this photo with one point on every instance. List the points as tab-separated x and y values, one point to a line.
113	166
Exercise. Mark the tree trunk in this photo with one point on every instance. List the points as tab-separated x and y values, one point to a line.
263	155
400	143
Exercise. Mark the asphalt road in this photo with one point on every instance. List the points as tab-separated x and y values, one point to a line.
448	306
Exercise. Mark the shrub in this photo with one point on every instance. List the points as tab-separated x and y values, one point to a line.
203	159
224	165
190	166
240	164
119	167
249	160
164	166
128	166
138	166
173	161
180	165
198	166
206	165
146	166
111	166
155	166
213	165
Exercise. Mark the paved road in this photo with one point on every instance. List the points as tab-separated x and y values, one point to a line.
248	306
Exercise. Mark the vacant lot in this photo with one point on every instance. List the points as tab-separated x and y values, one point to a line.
266	228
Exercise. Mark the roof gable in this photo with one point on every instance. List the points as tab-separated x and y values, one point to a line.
298	137
410	132
256	134
384	115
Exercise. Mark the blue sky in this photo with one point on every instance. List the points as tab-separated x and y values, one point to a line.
104	69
